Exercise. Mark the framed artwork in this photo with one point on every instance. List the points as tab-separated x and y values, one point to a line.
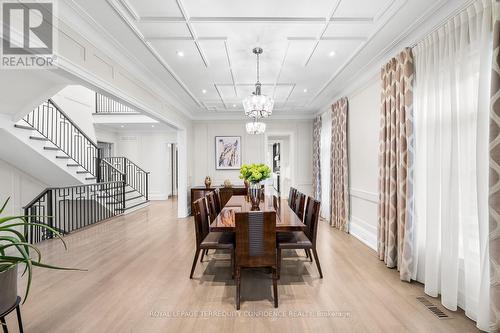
227	152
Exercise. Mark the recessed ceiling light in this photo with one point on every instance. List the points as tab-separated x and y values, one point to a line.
152	125
180	53
122	126
331	54
305	90
204	91
234	105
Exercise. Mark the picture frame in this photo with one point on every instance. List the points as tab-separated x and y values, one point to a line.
227	152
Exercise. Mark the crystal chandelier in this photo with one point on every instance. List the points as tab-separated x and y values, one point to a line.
257	105
256	127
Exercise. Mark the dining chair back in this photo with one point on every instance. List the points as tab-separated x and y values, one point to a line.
256	246
300	199
291	197
225	194
201	220
276	204
212	207
218	206
311	219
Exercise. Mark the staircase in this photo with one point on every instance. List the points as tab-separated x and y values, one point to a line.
100	188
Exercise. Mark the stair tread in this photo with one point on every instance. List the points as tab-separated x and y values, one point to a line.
81	172
51	148
40	138
63	157
90	178
27	127
133	198
73	164
133	206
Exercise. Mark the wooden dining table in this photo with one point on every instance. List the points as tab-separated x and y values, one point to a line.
286	219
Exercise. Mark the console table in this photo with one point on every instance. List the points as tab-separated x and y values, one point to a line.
225	193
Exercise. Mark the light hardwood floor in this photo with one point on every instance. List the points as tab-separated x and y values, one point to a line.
138	281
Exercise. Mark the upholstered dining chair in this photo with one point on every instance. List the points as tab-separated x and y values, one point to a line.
300	200
207	240
212	206
305	240
256	246
291	197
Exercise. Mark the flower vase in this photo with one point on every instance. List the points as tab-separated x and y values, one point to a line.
254	193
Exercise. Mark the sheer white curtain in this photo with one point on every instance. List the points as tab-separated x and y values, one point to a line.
451	162
326	133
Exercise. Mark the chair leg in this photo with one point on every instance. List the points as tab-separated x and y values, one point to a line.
279	263
275	286
19	320
4	325
307	253
310	256
238	287
203	252
233	255
317	262
197	253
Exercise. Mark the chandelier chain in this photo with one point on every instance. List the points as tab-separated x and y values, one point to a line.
258	69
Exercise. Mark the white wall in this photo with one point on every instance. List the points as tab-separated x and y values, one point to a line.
78	103
363	135
150	152
253	149
363	145
19	186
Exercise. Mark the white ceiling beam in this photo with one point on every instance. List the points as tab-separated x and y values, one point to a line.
281	68
229	64
250	19
327	38
133	14
325	27
192	31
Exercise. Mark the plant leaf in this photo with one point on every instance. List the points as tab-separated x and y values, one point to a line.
4	205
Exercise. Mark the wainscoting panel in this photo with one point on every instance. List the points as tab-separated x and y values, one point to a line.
363	222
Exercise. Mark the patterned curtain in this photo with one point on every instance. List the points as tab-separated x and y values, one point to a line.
395	212
494	197
316	158
339	191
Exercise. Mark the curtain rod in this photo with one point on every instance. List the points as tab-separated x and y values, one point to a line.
441	24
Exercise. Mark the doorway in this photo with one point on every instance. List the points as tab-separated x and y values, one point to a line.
278	158
174	171
106	148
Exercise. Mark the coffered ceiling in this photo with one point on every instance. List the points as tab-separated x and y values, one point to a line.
204	47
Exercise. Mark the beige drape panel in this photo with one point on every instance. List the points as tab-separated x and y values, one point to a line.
395	163
494	183
316	158
339	192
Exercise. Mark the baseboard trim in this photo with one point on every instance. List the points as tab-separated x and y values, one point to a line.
363	231
158	197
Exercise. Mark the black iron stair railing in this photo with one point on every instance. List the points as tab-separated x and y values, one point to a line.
135	176
54	125
105	104
70	208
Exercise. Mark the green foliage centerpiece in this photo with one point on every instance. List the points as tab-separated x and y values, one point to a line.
254	174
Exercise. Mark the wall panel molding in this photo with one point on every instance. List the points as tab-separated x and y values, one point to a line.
363	231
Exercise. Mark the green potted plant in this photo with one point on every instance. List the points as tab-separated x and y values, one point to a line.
15	251
254	174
